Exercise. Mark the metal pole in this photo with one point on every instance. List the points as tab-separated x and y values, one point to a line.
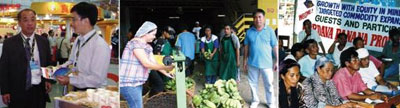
68	29
294	22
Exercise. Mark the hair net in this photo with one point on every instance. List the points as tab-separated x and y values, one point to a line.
145	28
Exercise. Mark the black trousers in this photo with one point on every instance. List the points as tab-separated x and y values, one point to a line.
189	70
35	97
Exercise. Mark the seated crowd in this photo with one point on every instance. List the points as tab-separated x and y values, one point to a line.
346	74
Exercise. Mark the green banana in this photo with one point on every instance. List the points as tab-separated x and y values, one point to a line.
209	104
197	100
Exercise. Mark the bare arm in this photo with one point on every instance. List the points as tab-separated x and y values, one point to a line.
382	69
237	57
322	47
358	97
380	80
368	94
246	52
141	55
276	52
214	51
332	47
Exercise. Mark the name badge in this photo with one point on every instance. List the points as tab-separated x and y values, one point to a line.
35	70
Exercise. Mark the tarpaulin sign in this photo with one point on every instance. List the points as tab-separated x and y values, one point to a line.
369	19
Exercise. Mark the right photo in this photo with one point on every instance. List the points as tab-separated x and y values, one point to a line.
339	53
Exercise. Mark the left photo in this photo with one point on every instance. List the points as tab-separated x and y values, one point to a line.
59	54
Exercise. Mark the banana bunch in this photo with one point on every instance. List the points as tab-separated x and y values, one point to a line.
171	84
221	94
207	54
231	103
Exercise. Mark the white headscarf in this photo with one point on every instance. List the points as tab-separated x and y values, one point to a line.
145	28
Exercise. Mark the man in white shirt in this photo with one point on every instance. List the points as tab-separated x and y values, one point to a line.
90	53
309	33
196	30
336	49
371	76
64	47
52	38
53	46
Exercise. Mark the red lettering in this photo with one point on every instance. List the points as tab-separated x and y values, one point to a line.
351	35
323	31
379	41
373	39
304	15
64	8
365	38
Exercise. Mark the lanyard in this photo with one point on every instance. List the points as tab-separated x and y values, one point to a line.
79	47
32	46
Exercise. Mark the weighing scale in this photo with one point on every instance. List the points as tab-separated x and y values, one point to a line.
178	58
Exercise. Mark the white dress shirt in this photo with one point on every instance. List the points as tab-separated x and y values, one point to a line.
92	63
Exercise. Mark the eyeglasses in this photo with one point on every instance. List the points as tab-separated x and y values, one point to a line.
355	59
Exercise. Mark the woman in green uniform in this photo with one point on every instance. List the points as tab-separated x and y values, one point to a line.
209	45
229	55
162	47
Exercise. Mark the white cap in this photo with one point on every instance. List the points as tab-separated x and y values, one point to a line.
145	28
362	53
197	22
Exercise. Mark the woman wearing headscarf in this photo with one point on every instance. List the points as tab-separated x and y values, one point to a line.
136	62
319	89
289	88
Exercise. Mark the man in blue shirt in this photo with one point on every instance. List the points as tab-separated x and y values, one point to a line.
186	42
307	62
259	44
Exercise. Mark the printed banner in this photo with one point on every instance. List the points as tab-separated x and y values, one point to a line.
369	19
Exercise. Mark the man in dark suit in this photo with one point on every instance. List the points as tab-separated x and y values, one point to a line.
22	84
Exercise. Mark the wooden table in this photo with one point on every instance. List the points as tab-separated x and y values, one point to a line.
392	101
